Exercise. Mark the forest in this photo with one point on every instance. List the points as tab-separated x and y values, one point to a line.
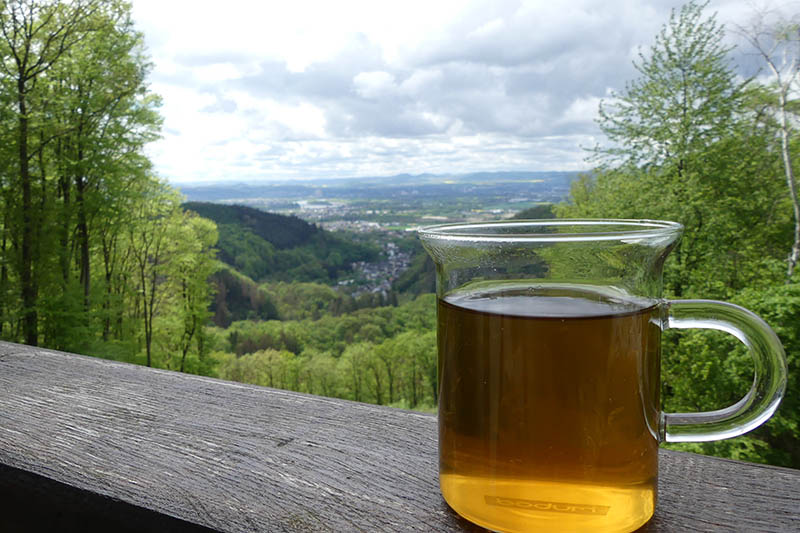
691	140
100	256
269	246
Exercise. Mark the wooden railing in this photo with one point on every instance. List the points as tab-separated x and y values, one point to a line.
93	445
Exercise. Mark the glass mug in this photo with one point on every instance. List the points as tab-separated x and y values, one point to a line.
549	370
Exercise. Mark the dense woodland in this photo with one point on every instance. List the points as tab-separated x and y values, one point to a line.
96	254
691	141
99	256
268	246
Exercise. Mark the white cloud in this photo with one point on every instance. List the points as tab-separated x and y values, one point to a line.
216	72
357	87
491	28
374	84
420	81
582	111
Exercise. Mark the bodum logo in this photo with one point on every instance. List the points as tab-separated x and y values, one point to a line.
554	507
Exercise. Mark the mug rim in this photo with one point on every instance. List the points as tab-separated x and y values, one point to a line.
586	229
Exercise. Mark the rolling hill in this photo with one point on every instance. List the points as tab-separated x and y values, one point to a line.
270	247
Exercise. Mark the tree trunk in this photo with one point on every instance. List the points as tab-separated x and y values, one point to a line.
149	311
376	372
794	255
66	220
83	237
29	292
109	277
188	342
3	274
188	329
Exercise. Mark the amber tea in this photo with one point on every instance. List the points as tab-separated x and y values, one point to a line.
549	330
548	408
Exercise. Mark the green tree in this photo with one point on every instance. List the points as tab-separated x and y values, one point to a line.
322	375
35	36
78	196
683	147
383	355
113	223
190	263
416	350
108	115
389	353
688	144
103	115
780	305
76	115
148	239
377	375
353	367
684	99
539	211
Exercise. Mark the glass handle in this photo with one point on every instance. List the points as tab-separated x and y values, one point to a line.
769	381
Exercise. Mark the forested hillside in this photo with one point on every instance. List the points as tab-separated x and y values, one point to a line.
279	230
383	355
420	278
271	247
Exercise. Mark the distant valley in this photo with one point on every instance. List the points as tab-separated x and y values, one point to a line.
354	235
396	202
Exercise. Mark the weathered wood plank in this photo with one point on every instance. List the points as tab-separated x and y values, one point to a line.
33	503
204	453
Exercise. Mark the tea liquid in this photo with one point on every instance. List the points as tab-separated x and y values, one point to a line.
548	409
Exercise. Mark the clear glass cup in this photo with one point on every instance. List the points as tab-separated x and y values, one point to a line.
549	341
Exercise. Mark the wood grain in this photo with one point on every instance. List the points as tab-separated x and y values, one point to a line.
92	444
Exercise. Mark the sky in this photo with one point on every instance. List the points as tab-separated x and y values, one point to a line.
273	89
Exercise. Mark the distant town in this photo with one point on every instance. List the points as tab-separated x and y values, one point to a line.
386	211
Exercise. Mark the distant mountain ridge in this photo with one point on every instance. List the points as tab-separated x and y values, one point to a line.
403	177
232	193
